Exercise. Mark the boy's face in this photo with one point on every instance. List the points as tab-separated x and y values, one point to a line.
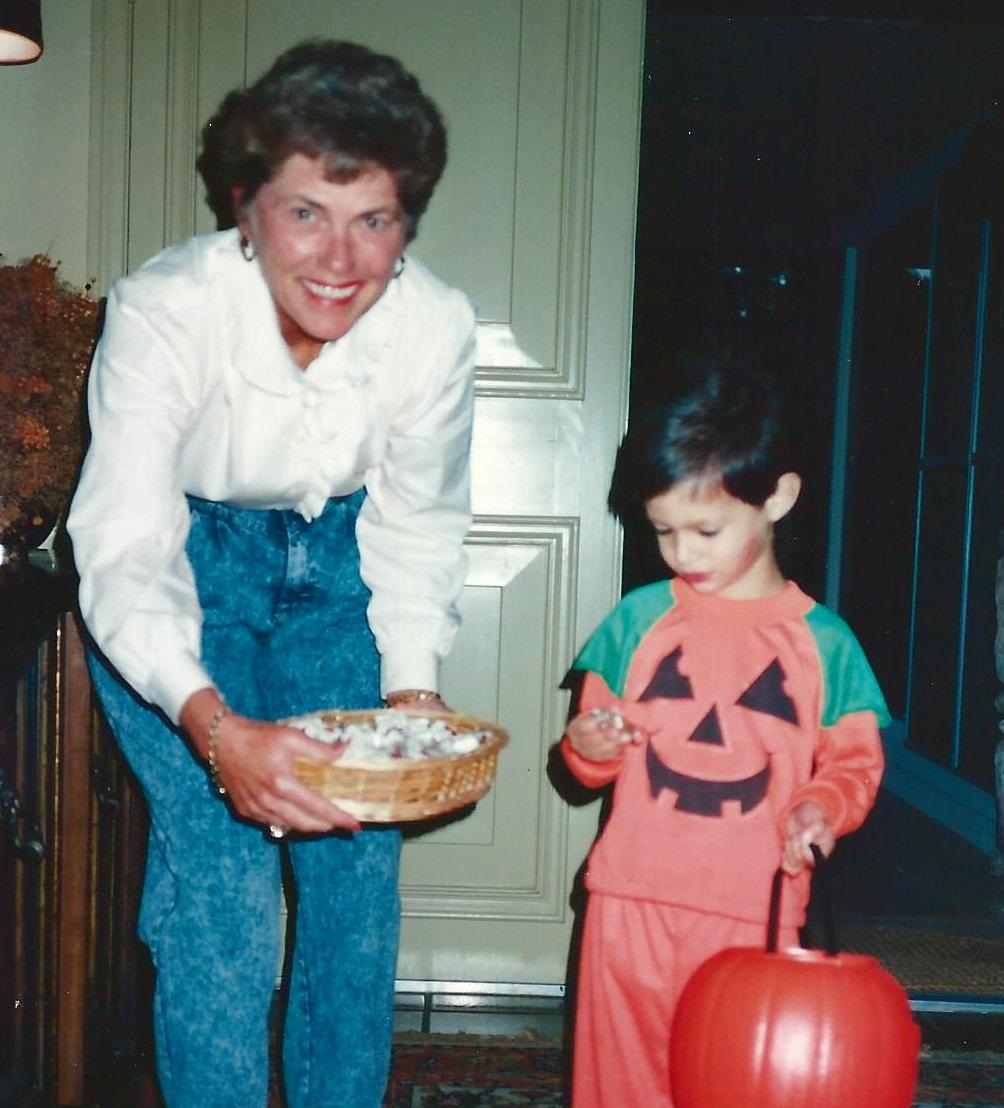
717	543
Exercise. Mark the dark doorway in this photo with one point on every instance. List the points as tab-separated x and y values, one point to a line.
769	130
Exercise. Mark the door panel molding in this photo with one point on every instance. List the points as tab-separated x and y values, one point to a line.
551	189
518	609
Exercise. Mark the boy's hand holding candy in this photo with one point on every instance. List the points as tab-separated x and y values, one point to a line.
601	734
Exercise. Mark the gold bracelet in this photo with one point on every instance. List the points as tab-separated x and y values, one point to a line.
392	699
212	738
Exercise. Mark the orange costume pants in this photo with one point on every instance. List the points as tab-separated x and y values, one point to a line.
636	957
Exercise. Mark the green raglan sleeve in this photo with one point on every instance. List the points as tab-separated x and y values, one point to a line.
611	647
849	685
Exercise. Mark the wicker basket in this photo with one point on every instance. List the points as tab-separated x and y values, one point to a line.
402	789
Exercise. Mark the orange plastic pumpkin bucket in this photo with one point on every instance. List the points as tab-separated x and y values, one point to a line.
793	1029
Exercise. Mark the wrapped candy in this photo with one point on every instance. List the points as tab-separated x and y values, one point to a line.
393	735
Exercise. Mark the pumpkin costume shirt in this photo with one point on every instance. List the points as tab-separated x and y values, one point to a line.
749	707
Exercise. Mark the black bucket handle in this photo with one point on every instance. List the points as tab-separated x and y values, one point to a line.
774	916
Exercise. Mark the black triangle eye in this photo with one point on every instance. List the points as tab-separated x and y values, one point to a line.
668	682
708	731
767	695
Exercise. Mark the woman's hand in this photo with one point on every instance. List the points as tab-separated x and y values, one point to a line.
601	734
255	765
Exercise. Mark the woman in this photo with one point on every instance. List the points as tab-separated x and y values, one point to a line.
270	521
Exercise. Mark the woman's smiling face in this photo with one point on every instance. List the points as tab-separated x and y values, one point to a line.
327	250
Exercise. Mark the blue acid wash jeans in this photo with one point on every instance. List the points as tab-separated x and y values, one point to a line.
285	632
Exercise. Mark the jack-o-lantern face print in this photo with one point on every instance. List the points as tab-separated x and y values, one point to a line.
698	795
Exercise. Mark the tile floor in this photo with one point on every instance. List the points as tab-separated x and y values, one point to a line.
444	1008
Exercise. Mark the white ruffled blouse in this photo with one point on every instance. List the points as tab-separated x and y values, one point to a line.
193	390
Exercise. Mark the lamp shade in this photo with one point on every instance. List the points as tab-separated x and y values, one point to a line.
20	31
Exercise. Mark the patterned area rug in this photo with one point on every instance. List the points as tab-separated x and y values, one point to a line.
463	1071
468	1072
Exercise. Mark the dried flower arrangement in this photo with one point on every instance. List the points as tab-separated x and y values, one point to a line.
47	334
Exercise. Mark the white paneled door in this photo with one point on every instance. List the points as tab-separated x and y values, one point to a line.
535	221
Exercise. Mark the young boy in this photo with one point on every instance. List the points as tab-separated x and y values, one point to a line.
737	718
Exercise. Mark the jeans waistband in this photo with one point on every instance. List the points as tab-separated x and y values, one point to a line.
263	520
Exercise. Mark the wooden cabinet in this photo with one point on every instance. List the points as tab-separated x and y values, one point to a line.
74	980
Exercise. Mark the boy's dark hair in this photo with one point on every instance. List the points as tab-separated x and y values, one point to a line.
725	424
338	101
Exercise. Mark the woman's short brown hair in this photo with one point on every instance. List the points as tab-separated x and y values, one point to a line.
337	101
